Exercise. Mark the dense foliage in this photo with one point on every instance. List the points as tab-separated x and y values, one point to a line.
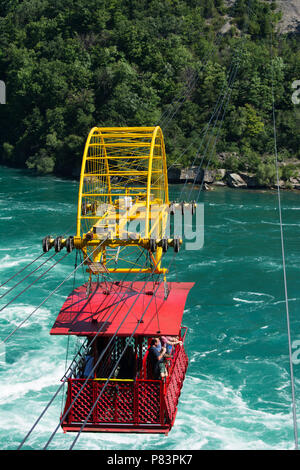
71	64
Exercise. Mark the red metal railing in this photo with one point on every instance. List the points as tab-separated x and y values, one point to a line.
176	367
134	402
175	382
123	401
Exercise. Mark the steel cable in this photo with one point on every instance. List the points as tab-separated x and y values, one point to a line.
215	141
51	293
115	366
29	264
21	270
294	411
18	283
214	116
70	371
184	97
37	279
98	361
229	91
216	110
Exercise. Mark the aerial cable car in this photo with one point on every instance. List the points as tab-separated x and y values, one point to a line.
122	230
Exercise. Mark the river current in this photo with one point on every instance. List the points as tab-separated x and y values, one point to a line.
237	392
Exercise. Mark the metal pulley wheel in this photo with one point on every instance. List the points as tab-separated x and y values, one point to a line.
46	244
176	245
57	244
70	244
152	245
164	244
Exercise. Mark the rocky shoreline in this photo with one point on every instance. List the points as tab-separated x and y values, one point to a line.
223	177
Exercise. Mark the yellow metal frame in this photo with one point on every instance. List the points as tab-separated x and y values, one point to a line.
120	166
114	380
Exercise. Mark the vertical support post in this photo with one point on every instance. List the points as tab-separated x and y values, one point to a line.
82	179
136	402
107	169
161	393
147	223
94	395
68	402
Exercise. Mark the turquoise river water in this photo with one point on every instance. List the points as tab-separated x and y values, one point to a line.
236	394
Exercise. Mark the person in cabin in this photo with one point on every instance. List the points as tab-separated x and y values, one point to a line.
85	370
127	368
88	366
169	341
105	364
156	359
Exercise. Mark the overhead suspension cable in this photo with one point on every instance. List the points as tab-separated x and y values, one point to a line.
101	356
216	111
29	264
37	279
96	365
51	293
229	91
294	411
204	130
21	270
71	369
215	141
115	366
16	285
207	126
167	116
215	117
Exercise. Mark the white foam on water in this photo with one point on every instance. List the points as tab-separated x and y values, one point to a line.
249	301
283	301
277	224
212	262
221	418
210	416
16	313
235	221
17	388
11	261
196	355
251	297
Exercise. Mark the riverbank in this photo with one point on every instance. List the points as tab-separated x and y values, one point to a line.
192	175
233	179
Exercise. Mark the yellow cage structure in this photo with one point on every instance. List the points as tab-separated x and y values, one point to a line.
123	185
123	200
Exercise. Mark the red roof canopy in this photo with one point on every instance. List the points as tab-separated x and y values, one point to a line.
117	308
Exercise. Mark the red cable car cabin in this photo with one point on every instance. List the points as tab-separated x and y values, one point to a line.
132	401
